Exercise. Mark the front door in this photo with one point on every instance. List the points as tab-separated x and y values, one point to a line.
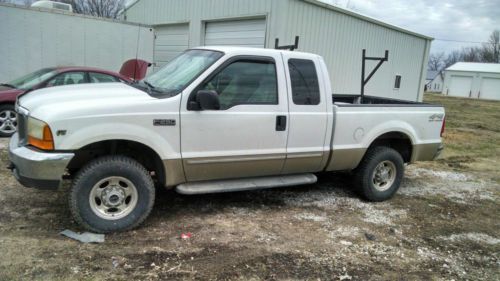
247	136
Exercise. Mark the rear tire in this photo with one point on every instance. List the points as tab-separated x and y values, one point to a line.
379	175
112	194
8	120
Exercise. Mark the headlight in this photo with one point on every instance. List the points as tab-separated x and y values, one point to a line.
39	134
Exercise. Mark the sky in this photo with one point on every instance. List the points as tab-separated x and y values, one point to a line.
460	20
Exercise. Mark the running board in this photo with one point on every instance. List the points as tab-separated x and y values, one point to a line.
218	186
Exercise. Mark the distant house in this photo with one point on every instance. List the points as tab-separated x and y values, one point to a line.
473	80
430	75
433	81
435	84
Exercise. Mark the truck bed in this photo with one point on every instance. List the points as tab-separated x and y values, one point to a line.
359	125
353	100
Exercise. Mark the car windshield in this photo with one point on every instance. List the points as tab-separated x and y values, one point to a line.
33	79
178	73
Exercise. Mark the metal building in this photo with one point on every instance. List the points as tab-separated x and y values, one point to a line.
473	80
336	34
34	38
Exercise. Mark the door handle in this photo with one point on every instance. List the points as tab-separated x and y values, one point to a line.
280	123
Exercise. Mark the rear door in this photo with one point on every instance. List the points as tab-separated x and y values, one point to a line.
460	86
245	33
307	105
490	88
243	138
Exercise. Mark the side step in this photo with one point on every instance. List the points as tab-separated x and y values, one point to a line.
218	186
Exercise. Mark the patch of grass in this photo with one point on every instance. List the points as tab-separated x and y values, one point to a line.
472	136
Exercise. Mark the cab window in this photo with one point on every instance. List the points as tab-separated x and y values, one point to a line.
245	82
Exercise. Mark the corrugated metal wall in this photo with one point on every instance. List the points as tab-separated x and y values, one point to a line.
340	39
195	12
336	36
33	39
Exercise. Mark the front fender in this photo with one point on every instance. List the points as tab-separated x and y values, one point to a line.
90	134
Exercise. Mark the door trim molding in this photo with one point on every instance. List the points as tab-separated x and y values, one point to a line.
231	159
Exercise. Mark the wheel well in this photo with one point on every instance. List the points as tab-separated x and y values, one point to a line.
135	150
397	141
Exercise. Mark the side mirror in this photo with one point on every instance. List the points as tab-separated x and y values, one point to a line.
205	100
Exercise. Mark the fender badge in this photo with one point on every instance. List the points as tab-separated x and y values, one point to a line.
436	117
61	132
164	122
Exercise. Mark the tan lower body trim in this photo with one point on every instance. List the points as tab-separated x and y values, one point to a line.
345	159
227	167
426	151
174	172
304	162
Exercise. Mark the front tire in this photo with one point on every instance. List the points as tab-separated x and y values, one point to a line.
8	120
112	194
379	175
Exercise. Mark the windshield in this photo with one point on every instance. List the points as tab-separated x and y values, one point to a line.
33	79
178	73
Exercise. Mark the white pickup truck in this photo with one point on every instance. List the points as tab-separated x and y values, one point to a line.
214	119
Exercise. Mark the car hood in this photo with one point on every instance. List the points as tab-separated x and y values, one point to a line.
83	99
6	90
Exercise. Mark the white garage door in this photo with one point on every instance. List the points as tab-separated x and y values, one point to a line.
460	86
247	33
490	88
171	40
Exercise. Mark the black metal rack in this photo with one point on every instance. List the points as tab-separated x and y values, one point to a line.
364	80
287	47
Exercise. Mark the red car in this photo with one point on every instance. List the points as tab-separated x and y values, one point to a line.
57	76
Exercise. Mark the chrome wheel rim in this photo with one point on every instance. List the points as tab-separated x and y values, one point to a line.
8	121
384	175
113	198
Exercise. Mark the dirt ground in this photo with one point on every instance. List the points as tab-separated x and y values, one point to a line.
442	225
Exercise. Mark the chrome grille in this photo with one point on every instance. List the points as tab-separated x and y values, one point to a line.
21	128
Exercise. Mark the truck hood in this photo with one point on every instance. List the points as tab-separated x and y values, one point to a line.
87	99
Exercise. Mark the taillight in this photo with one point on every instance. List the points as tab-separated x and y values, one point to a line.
443	126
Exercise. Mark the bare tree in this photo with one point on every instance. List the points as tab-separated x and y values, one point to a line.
436	61
97	8
471	54
491	50
452	58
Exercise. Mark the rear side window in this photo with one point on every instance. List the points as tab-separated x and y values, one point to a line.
304	79
96	77
67	78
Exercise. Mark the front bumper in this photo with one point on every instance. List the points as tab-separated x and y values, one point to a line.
43	170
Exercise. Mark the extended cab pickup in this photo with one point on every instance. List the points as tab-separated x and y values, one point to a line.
213	120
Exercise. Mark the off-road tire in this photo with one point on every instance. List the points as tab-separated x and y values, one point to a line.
101	168
363	175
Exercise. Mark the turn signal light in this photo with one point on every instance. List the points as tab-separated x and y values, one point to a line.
46	142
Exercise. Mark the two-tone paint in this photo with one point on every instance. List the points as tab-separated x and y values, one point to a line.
238	142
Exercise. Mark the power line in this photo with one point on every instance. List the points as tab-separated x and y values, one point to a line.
460	41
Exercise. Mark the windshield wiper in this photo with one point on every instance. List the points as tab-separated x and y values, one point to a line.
148	84
8	85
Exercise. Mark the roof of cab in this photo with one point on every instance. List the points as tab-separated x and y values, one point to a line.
252	51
